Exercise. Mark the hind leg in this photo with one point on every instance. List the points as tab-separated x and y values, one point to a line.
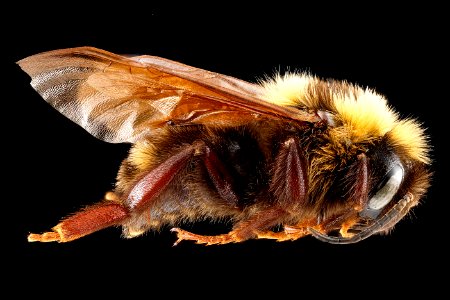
84	222
112	211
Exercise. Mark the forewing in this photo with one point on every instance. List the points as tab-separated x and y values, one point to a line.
120	99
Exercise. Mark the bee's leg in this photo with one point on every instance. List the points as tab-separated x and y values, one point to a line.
289	183
361	189
289	187
289	233
220	177
149	187
347	225
242	231
113	212
343	221
93	218
357	202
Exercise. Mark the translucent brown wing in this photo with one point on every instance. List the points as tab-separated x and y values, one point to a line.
120	99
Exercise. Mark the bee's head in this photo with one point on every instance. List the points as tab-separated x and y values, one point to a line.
367	154
382	186
393	175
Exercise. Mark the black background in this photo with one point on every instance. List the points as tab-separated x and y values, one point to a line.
53	167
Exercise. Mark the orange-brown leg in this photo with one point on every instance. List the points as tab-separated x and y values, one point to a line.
220	177
243	230
154	182
289	233
288	185
347	225
358	200
286	235
343	222
111	211
84	222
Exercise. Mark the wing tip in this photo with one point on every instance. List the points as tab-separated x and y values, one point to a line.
32	63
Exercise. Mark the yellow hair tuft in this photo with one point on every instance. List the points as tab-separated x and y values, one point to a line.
410	136
288	89
365	112
141	155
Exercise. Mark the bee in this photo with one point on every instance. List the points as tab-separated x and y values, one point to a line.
287	157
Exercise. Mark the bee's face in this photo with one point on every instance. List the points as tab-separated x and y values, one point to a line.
382	185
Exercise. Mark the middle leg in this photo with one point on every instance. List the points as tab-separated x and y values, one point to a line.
243	230
289	188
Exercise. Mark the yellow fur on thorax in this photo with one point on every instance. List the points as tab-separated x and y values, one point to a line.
363	112
142	154
366	113
287	90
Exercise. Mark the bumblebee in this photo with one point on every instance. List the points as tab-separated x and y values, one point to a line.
284	158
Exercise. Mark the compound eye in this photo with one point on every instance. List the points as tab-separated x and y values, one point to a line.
388	188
